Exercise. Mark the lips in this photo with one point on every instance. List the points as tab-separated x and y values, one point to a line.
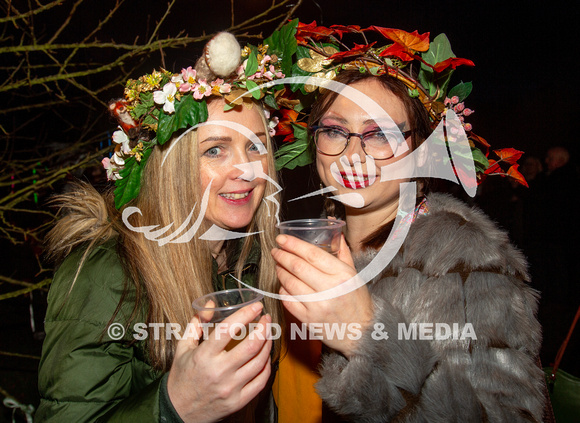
238	197
354	181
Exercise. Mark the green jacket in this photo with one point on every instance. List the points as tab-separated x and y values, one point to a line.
85	375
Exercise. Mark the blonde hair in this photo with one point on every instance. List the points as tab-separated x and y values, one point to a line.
175	274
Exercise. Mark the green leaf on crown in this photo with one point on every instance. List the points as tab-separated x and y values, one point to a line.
127	189
251	85
481	162
188	112
252	64
296	153
145	104
439	51
270	101
461	90
283	44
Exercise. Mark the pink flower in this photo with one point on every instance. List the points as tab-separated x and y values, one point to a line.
458	108
467	112
201	90
189	75
185	88
447	101
272	124
468	127
278	74
112	170
454	99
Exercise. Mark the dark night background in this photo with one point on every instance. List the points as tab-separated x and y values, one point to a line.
524	96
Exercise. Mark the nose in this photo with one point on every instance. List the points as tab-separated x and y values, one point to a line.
354	152
243	168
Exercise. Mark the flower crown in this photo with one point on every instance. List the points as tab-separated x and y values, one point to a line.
321	53
158	105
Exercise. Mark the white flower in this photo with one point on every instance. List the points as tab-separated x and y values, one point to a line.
166	97
119	137
112	170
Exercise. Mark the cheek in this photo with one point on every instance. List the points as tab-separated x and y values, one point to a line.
323	168
206	175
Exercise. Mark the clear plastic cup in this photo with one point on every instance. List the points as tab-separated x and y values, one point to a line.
324	233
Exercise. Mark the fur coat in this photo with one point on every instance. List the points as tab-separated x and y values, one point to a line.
455	268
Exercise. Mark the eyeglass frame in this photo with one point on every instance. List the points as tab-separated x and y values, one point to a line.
349	135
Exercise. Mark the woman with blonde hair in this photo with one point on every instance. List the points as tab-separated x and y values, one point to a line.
121	340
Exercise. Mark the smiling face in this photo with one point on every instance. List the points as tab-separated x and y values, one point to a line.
353	171
233	164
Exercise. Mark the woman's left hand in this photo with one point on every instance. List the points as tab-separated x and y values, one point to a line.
303	268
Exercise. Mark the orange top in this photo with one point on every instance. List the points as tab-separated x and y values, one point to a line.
293	388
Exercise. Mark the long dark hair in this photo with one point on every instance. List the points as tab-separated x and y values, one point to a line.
419	124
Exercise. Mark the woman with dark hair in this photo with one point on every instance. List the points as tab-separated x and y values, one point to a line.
447	327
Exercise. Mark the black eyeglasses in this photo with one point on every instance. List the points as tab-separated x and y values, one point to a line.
333	141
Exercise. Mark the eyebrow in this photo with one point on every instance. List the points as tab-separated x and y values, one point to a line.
343	121
229	139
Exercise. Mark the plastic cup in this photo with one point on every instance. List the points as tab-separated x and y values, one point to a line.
324	233
213	308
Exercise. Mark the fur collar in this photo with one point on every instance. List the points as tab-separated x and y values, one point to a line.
454	237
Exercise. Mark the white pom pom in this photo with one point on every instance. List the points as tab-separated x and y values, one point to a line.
223	54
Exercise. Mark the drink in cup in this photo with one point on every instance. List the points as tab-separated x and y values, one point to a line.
215	307
324	233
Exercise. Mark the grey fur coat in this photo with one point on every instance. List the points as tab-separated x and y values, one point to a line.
455	266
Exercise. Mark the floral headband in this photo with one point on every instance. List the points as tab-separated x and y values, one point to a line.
158	105
321	53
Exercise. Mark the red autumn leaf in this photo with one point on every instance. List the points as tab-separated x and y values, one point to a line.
397	50
285	125
341	29
412	41
514	173
357	50
452	62
311	30
494	167
509	155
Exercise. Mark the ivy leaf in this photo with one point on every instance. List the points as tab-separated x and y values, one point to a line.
188	112
461	90
127	189
297	153
252	64
143	107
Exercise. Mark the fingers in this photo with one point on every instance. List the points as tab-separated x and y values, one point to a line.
344	253
220	337
259	345
297	309
190	338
